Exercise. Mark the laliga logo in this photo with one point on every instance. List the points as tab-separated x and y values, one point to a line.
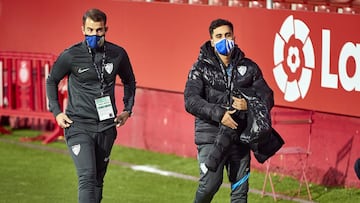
294	61
292	44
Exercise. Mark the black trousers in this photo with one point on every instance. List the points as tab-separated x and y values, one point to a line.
237	163
224	139
90	152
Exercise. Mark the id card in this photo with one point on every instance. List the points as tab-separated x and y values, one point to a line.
104	108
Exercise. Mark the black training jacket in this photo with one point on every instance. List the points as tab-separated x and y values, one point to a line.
77	62
208	92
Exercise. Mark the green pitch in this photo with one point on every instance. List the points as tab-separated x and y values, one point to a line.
32	172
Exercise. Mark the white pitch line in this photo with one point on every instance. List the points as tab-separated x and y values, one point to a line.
151	169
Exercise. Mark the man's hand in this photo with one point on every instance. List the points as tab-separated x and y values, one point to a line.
228	121
239	104
121	119
63	121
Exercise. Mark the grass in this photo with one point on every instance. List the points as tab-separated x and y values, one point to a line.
30	173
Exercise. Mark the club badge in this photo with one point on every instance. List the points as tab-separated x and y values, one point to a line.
242	70
76	149
109	67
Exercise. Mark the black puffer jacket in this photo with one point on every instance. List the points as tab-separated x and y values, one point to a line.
207	78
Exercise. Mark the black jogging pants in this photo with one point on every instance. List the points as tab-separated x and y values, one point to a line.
90	152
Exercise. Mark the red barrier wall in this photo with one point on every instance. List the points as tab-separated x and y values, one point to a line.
163	41
159	123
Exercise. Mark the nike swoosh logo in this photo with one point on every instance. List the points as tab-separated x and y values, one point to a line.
80	70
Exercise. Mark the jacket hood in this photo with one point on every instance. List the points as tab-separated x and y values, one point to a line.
207	53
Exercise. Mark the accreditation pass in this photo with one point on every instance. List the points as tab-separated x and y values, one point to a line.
104	108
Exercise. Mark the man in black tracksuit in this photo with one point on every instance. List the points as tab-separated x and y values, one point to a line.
219	60
91	67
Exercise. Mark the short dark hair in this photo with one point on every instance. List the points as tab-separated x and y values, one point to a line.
219	22
95	15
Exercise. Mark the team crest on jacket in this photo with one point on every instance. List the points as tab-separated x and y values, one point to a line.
109	67
76	149
241	70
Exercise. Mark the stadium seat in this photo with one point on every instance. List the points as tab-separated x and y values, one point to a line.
142	0
316	2
346	6
349	10
178	1
198	1
218	2
238	3
257	4
356	3
281	5
339	1
291	1
325	8
302	7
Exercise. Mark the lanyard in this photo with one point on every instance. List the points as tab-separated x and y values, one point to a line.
100	71
227	71
228	76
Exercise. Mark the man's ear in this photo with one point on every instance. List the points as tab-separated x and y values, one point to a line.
212	43
83	30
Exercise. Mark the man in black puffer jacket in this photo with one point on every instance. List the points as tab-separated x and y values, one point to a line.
254	128
219	60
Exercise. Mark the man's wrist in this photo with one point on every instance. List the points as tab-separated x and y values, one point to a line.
129	112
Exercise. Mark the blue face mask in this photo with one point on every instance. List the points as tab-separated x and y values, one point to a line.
224	46
94	41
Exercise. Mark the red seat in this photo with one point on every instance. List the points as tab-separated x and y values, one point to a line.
302	7
355	2
178	1
325	8
340	1
257	4
281	5
218	2
198	1
238	3
349	10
